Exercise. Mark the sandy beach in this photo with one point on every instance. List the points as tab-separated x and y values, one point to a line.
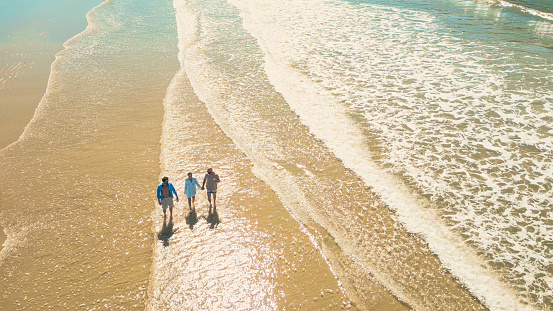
2	237
88	240
24	85
340	185
253	250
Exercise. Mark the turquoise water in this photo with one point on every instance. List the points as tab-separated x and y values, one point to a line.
540	5
54	21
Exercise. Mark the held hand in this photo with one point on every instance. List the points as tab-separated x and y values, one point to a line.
159	201
177	199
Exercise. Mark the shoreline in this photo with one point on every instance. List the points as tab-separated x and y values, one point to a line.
365	245
22	92
197	257
92	135
27	54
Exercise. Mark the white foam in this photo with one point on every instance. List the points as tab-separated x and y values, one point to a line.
541	14
91	27
318	110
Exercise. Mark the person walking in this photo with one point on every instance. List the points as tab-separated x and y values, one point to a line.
210	182
190	190
165	192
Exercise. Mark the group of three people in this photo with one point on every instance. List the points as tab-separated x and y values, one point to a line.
165	191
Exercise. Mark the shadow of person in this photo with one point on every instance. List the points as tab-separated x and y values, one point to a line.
213	218
191	219
166	231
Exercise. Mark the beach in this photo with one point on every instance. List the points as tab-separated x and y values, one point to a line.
2	238
28	44
372	156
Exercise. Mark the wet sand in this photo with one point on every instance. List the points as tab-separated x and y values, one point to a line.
25	80
78	217
251	254
3	238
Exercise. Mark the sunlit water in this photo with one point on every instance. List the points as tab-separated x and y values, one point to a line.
379	155
31	33
77	187
454	98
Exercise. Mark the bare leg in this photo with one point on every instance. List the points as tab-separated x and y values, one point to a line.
209	198
214	198
171	209
189	204
193	199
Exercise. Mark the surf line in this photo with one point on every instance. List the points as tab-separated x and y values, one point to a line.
544	15
316	109
416	213
91	27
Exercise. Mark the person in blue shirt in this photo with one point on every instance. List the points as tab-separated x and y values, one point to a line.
165	192
190	190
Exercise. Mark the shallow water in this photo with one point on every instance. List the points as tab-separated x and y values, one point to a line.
32	33
375	155
249	254
78	233
453	99
345	217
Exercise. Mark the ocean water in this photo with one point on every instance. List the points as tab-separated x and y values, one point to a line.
32	32
79	236
402	151
444	108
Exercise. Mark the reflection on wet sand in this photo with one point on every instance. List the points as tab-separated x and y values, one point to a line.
3	238
258	259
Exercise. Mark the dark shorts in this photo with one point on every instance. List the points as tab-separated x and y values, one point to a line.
212	191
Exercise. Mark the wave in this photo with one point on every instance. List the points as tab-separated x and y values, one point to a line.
70	43
526	9
323	116
237	115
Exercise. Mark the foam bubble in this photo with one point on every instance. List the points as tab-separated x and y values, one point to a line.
449	117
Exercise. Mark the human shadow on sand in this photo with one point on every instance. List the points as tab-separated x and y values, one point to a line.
213	218
191	219
166	231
